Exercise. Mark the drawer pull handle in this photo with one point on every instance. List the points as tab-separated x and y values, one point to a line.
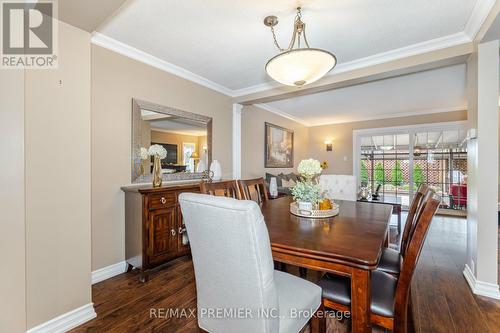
173	232
182	230
163	200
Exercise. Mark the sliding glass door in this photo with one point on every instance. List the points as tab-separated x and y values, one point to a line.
384	165
397	161
440	159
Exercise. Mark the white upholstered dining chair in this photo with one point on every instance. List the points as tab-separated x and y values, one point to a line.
340	187
233	268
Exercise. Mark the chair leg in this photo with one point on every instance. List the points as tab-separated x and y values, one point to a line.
303	272
318	320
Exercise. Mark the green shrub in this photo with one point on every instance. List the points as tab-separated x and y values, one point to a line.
418	175
364	174
379	174
397	174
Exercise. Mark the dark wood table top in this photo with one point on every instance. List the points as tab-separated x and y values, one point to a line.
355	237
388	200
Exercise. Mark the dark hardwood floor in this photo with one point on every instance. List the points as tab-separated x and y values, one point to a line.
442	301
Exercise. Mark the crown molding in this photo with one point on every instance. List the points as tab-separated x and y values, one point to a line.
396	115
256	88
375	117
404	52
407	51
376	59
136	54
479	14
282	113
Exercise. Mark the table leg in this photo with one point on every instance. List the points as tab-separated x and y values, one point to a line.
360	301
318	321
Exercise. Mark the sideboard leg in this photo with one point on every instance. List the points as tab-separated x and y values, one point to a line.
144	277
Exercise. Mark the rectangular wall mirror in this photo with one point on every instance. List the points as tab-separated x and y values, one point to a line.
186	136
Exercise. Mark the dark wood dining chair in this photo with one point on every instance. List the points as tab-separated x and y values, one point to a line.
391	259
256	186
227	188
390	296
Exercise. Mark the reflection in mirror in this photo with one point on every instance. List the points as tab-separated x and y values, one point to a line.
184	140
184	136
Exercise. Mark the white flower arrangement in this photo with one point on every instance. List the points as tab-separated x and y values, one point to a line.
306	192
157	150
308	189
309	168
144	153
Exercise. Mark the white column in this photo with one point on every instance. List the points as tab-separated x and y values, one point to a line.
237	109
482	226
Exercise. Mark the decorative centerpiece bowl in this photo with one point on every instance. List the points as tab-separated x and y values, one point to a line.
309	201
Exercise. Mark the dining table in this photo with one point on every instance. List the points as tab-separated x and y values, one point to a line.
348	244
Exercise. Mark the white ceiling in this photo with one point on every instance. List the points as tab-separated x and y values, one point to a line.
442	89
225	41
179	126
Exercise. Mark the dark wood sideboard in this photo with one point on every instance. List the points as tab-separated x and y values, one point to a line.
154	227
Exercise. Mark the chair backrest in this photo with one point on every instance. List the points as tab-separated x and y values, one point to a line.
227	188
428	195
255	187
424	219
340	187
416	203
232	261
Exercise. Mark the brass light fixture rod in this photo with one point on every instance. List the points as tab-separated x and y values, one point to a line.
299	30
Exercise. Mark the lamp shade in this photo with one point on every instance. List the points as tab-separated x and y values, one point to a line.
299	67
194	155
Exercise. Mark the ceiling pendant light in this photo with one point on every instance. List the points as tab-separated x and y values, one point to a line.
300	65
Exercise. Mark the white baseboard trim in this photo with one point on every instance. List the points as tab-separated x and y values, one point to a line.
108	272
67	321
479	287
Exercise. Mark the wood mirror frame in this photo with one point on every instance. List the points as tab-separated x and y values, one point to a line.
137	106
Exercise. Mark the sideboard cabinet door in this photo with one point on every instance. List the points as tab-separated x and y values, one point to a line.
162	242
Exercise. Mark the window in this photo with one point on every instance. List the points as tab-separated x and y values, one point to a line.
187	150
398	161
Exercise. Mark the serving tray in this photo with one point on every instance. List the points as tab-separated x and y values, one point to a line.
314	213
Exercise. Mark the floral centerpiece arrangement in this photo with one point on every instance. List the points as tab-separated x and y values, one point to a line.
159	153
309	199
307	192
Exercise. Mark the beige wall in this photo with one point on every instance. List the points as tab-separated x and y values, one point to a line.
12	204
176	139
340	159
57	138
117	79
252	141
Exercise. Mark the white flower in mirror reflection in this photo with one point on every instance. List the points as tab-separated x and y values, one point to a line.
144	153
157	150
